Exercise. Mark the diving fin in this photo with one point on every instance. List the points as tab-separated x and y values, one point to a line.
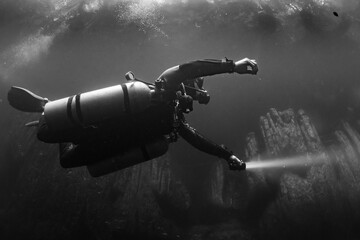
26	101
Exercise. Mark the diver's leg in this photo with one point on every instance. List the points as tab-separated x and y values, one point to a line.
76	155
47	135
43	130
72	155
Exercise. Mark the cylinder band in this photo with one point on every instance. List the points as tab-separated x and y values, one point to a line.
69	112
78	109
126	98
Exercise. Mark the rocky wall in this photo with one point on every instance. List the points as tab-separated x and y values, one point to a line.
149	201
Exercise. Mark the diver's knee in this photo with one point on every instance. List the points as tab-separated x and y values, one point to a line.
43	133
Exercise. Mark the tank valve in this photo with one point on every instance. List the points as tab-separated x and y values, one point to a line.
130	76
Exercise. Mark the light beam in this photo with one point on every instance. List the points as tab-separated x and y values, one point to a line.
296	161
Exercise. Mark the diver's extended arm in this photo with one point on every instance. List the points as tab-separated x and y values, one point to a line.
201	68
200	142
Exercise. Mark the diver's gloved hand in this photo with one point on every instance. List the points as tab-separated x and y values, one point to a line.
246	65
235	163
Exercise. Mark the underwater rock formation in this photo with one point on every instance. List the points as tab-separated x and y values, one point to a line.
309	203
40	199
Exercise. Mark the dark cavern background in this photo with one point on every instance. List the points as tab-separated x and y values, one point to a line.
305	101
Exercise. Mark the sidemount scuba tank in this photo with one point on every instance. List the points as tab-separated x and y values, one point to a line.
91	108
134	155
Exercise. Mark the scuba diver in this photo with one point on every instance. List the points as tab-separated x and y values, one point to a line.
116	127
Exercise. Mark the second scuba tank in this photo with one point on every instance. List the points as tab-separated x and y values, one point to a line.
132	156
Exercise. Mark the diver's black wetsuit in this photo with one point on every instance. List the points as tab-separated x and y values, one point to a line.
164	119
200	142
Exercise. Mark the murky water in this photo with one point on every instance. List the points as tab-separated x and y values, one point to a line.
308	55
